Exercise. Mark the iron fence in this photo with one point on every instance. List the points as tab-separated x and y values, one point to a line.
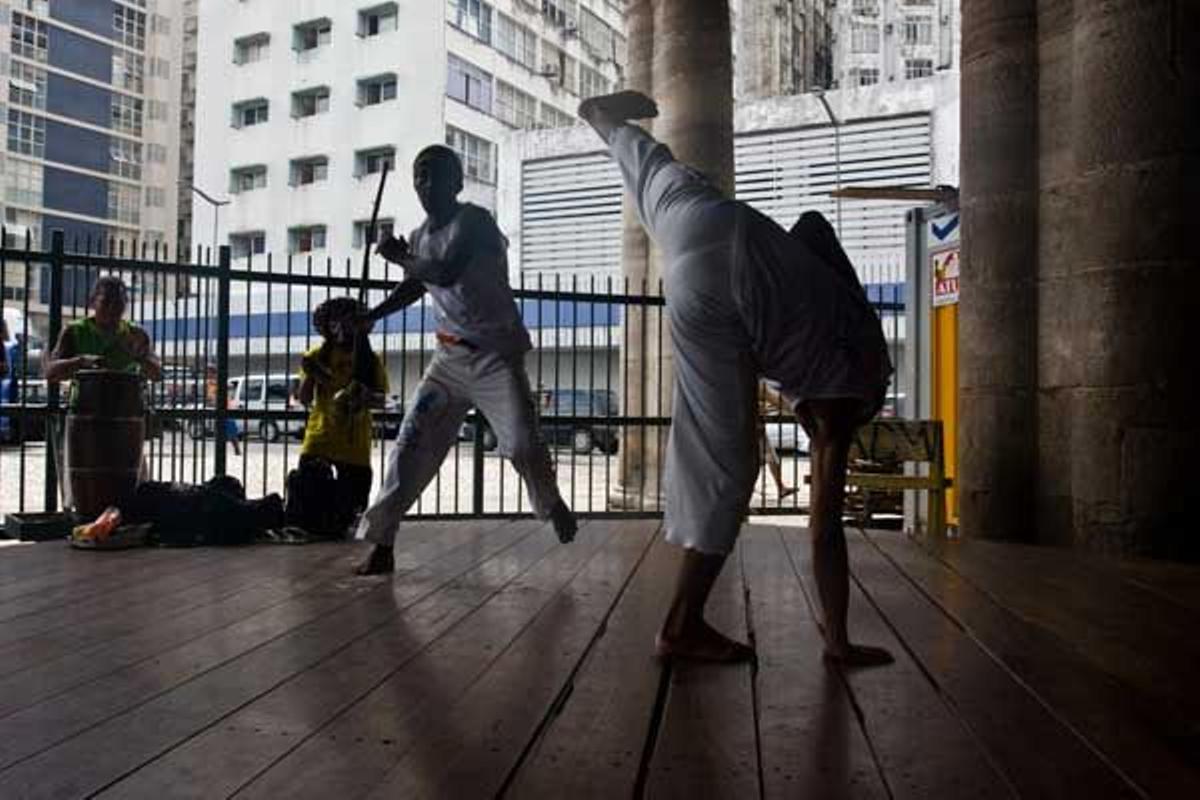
230	333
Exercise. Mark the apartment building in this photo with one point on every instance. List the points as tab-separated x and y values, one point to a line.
781	47
91	121
300	105
884	41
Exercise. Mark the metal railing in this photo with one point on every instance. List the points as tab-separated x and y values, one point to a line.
598	351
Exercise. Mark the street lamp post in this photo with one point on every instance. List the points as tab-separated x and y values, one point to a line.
216	204
837	153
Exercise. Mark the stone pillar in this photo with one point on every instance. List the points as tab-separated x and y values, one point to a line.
629	491
1057	211
1134	279
997	323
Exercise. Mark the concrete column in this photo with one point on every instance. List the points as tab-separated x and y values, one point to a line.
997	327
635	267
1134	279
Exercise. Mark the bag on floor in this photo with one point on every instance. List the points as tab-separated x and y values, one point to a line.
312	499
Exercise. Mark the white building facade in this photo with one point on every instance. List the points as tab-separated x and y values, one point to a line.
885	41
301	104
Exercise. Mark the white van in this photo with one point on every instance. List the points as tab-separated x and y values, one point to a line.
260	392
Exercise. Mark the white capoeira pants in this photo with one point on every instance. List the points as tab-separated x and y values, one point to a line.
458	378
744	301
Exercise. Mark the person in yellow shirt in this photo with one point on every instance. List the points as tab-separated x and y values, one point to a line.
341	380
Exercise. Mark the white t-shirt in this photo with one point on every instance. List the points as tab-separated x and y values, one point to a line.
479	307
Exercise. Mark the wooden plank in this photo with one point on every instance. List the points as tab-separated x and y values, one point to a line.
56	675
470	750
810	740
53	632
1041	756
229	667
237	748
592	748
1119	720
413	707
924	749
707	742
1125	631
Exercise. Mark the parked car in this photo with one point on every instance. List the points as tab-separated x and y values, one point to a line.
15	429
259	392
580	436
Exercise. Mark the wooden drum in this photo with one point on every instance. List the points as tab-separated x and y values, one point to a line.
105	430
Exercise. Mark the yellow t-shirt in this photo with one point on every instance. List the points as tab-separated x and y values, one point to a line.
328	434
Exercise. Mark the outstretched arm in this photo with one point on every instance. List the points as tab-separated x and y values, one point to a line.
407	292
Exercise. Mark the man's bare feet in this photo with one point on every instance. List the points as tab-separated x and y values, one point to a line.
704	643
379	562
854	656
619	106
564	522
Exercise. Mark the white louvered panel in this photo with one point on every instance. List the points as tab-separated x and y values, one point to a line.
571	207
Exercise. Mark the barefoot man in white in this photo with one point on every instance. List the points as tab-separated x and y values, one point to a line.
458	256
745	300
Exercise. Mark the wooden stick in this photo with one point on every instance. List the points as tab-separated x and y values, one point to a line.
370	236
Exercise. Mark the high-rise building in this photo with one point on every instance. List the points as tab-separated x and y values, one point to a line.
884	41
300	105
187	122
91	120
781	47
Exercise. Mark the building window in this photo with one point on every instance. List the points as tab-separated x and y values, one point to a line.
562	13
28	37
246	244
160	25
378	19
864	76
476	154
471	17
591	82
516	41
311	35
596	35
35	6
306	239
918	30
469	84
514	107
310	102
383	229
918	67
558	67
129	70
156	197
865	8
156	153
250	112
125	158
249	49
157	110
27	85
127	113
124	203
370	162
129	27
26	134
554	118
309	170
160	68
864	37
247	179
376	90
23	183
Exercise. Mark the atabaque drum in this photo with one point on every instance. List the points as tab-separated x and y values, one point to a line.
106	425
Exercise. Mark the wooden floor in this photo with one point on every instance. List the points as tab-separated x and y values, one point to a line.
497	662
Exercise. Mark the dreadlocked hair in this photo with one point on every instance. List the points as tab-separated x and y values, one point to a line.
326	318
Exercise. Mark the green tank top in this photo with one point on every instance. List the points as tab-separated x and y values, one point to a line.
91	340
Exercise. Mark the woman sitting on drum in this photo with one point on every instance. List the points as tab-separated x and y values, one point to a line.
104	340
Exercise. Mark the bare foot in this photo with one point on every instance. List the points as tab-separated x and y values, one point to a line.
379	562
619	106
859	655
703	644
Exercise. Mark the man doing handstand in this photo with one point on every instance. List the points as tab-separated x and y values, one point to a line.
745	300
459	256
